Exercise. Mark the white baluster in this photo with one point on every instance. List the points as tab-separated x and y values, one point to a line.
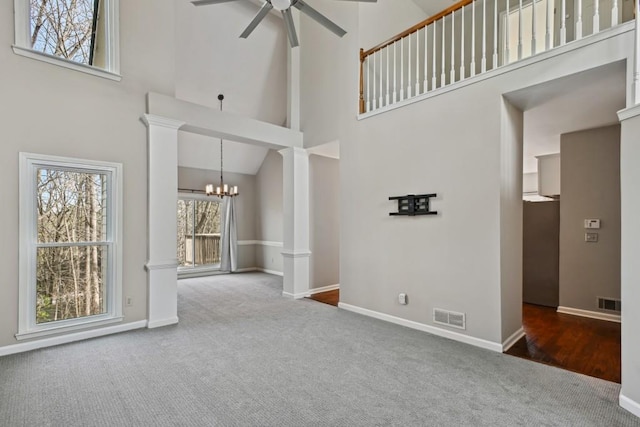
462	70
533	27
368	63
388	50
506	58
417	92
549	22
402	69
452	77
483	62
563	25
425	84
434	79
374	99
614	13
520	30
381	76
579	21
596	16
409	68
443	76
395	73
495	33
472	65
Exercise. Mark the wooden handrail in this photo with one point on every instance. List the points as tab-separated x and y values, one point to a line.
415	28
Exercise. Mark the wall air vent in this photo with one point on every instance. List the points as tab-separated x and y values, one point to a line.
449	318
609	304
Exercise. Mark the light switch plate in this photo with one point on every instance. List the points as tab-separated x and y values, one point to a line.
592	223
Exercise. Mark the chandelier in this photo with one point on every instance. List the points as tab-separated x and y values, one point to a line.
223	189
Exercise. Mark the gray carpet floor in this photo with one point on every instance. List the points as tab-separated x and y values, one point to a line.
243	355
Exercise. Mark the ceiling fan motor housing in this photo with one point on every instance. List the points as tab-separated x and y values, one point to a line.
281	4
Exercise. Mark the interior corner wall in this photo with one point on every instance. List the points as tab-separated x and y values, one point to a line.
590	189
268	214
192	178
324	182
511	219
52	110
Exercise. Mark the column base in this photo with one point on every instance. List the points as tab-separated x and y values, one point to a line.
296	274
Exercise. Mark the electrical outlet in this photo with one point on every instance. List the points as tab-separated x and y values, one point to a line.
402	298
128	301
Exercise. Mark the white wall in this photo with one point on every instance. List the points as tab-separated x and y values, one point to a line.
324	205
52	110
457	260
385	19
268	214
212	59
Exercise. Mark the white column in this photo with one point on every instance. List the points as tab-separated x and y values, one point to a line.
636	71
629	250
296	253
294	79
162	184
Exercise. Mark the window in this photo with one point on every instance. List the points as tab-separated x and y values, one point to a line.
78	34
198	233
70	213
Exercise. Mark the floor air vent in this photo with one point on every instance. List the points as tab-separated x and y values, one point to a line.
609	304
449	318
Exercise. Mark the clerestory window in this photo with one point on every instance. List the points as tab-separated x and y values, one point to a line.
78	34
70	240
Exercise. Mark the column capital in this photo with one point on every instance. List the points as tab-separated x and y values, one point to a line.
153	120
296	151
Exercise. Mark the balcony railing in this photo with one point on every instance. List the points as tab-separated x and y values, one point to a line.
204	250
473	37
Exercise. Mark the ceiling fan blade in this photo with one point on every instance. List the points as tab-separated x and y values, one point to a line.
319	18
264	10
291	29
208	2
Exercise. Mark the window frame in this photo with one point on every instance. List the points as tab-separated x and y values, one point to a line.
28	229
184	271
22	44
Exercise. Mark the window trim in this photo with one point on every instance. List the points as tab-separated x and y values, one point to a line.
27	326
23	47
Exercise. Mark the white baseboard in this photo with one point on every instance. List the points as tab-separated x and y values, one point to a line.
509	342
246	270
323	289
163	322
630	405
65	339
263	270
295	296
275	273
477	342
591	314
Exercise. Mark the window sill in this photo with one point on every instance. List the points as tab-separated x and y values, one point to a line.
65	63
59	329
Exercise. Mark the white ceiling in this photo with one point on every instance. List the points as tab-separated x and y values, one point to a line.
582	101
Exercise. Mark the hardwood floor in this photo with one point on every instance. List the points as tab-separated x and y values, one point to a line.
579	344
329	297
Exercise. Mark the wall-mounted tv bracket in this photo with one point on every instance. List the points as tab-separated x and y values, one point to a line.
412	205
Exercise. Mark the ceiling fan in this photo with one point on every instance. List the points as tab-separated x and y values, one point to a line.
284	6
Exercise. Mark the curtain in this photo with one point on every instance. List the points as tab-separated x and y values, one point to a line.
229	255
